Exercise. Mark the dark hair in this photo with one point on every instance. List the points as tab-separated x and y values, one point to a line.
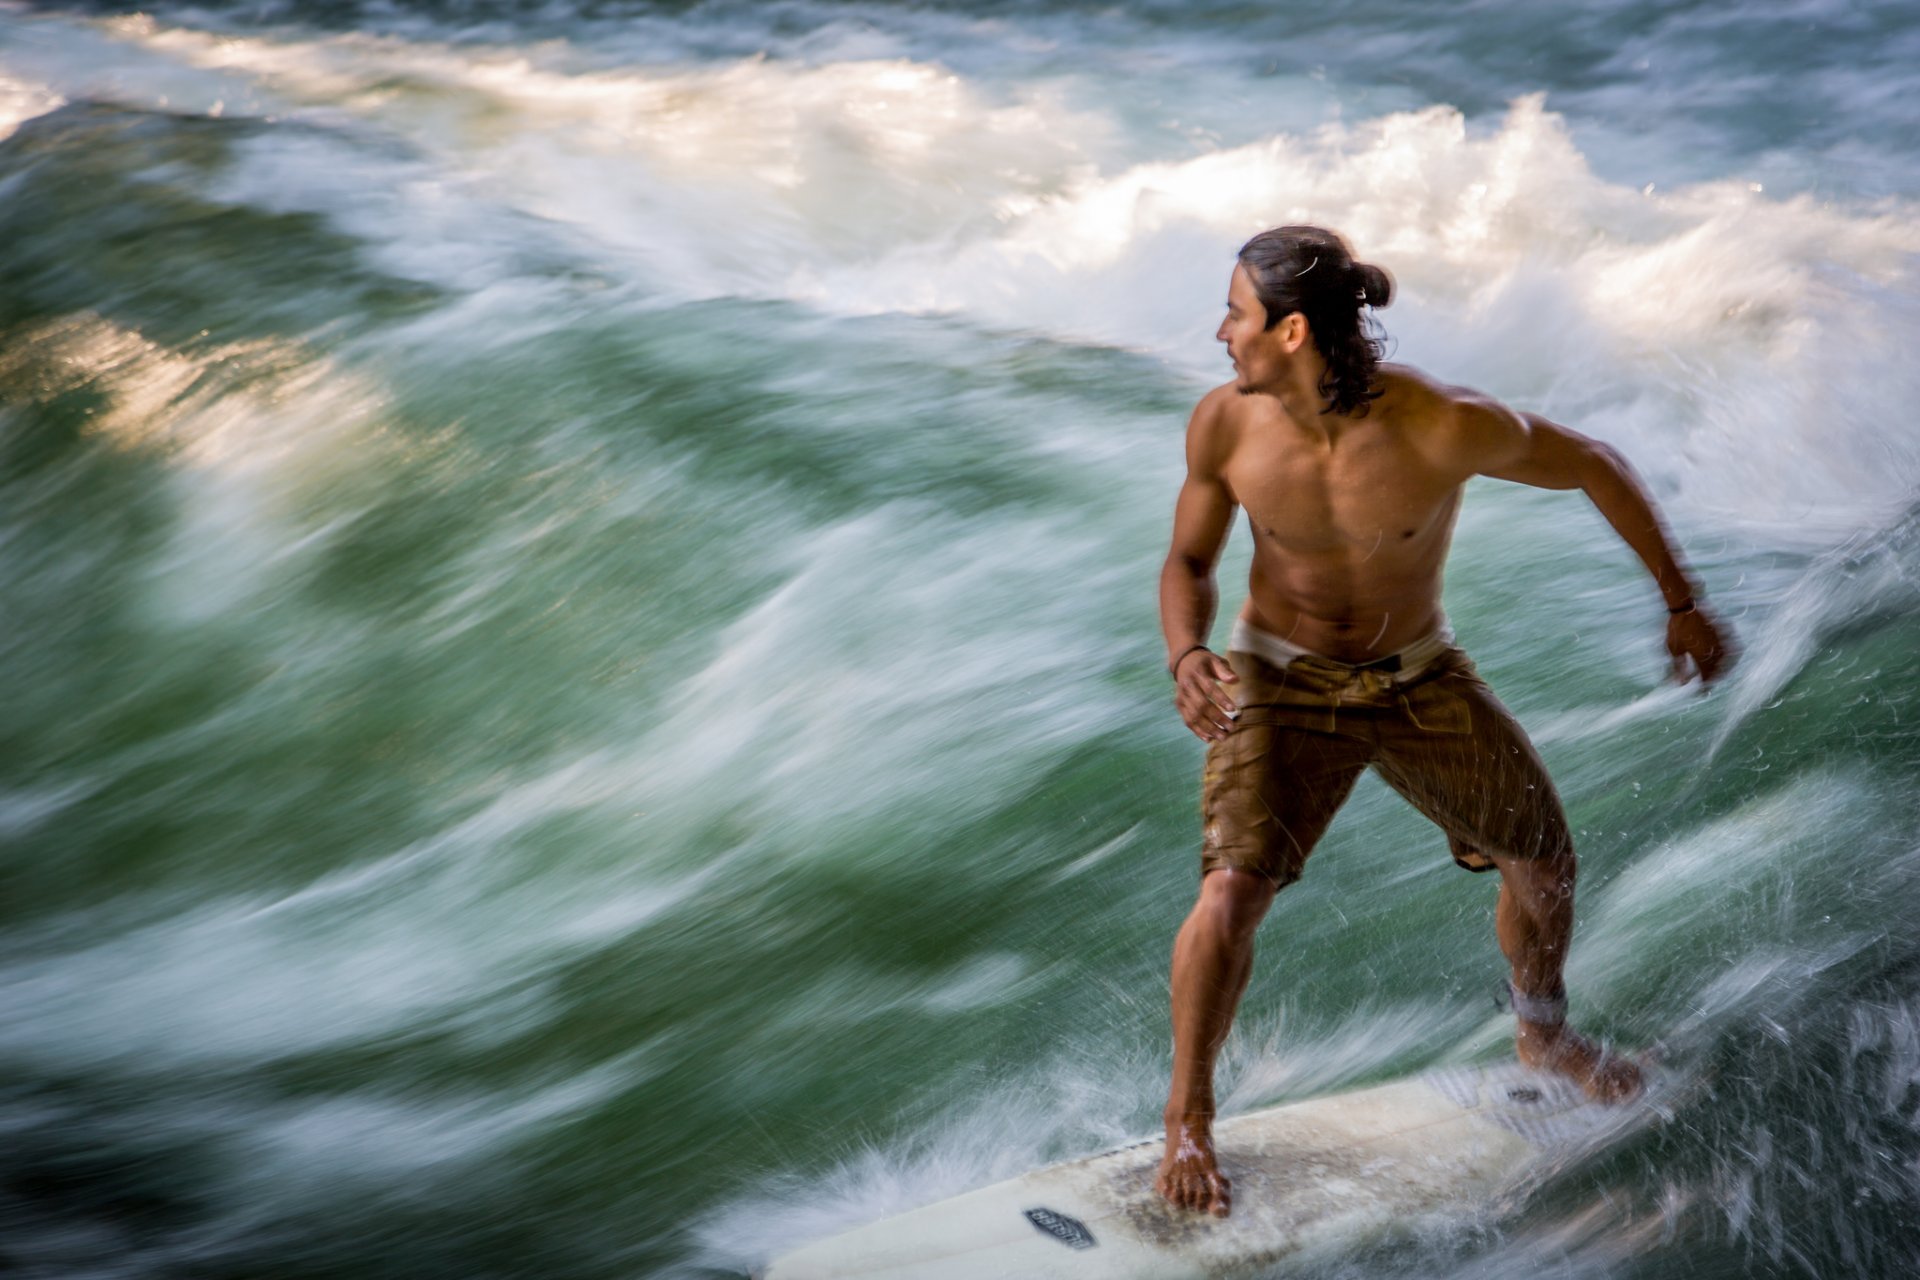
1311	270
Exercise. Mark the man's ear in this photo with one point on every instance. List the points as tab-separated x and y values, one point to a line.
1292	331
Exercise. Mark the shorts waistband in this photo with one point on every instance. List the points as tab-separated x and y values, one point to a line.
1398	667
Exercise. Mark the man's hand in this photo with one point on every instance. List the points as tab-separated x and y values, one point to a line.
1698	645
1199	691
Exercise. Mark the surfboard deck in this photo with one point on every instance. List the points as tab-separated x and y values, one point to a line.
1311	1180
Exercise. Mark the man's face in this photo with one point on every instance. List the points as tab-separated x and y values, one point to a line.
1259	354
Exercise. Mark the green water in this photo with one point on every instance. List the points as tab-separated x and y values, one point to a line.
574	709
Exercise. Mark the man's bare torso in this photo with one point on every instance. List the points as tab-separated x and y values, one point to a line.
1351	517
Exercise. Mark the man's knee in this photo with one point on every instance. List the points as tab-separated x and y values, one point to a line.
1234	900
1549	873
1558	862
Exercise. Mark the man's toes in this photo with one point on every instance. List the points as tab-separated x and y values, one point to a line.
1219	1196
1622	1080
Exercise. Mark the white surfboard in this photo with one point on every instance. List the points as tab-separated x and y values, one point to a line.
1311	1180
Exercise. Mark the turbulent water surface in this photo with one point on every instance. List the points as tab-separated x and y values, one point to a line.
577	621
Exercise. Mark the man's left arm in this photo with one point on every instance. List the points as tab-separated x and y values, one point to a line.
1529	449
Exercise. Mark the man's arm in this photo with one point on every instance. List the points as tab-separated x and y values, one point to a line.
1529	449
1201	519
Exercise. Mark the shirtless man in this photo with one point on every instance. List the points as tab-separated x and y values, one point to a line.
1351	474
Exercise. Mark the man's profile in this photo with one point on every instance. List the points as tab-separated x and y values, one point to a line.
1351	473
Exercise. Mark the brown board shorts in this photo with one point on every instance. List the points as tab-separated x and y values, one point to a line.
1306	730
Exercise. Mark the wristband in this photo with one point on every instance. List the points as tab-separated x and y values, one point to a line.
1173	668
1688	607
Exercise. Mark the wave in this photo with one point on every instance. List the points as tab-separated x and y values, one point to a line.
1745	346
517	547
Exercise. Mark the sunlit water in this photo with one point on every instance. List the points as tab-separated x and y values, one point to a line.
582	690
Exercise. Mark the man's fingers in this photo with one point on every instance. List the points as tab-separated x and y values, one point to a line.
1210	727
1207	721
1720	656
1214	730
1709	664
1694	640
1709	659
1220	674
1208	709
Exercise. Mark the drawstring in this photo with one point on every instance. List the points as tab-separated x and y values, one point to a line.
1381	683
1374	683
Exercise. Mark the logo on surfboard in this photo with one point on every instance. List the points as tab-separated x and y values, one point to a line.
1068	1231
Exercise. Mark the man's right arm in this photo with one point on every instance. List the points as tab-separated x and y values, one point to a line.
1201	519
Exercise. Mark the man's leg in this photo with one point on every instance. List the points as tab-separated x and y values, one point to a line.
1270	788
1534	921
1212	959
1463	760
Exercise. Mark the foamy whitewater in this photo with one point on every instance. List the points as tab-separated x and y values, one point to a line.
577	612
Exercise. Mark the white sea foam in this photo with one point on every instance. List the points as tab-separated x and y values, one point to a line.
1745	348
51	59
1767	863
304	1149
709	179
1080	1100
850	995
1273	1062
22	100
1863	574
1077	1101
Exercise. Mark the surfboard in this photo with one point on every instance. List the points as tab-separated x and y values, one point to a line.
1311	1180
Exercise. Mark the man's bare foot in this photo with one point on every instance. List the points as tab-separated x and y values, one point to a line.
1189	1177
1602	1076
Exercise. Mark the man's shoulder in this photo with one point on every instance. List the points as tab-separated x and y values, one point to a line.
1214	429
1456	423
1217	403
1425	402
1421	395
1218	412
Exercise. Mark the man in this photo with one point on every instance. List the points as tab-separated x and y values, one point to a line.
1351	473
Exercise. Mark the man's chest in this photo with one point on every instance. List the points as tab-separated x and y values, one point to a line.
1364	491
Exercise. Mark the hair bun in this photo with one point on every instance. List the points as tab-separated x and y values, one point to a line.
1375	285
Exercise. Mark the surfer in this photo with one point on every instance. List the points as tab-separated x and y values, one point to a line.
1351	473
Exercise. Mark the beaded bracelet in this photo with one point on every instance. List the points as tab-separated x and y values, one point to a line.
1688	607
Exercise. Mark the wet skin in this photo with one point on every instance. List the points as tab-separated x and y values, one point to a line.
1352	518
